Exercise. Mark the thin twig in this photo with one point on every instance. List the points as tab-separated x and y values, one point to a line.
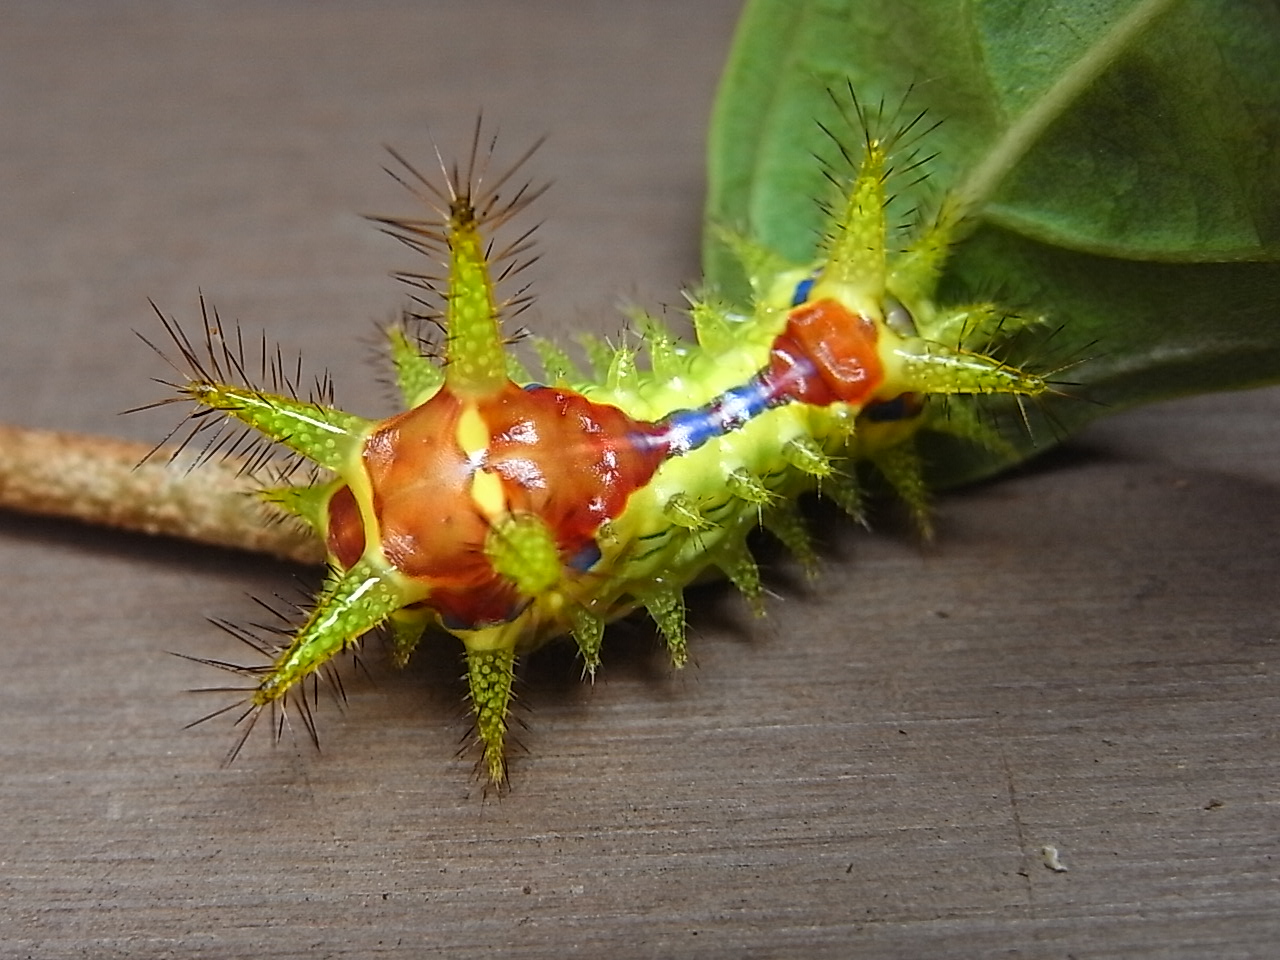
105	481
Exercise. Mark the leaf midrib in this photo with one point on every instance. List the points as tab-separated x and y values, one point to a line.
985	178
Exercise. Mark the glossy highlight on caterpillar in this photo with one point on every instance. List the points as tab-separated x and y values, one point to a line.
508	510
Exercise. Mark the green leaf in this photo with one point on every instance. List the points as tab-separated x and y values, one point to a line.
1120	160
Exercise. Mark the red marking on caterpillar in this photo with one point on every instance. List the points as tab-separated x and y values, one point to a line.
826	354
555	455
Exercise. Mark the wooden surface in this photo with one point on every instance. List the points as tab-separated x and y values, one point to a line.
1088	658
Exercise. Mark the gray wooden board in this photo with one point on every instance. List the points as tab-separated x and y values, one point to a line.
1087	659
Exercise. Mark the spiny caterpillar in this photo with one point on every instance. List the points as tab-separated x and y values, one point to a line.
508	510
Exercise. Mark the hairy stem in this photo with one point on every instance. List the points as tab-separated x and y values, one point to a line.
106	481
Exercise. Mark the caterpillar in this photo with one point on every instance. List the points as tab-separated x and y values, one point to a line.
507	510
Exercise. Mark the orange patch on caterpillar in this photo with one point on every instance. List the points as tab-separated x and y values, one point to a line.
827	354
555	455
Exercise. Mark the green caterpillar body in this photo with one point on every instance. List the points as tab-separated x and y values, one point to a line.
507	510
